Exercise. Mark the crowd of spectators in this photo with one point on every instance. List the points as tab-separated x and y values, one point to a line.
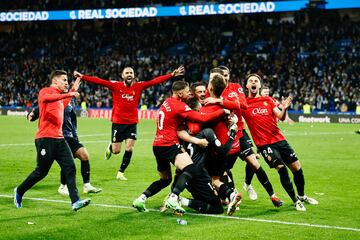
301	57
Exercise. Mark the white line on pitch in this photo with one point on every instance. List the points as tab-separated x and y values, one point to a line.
204	215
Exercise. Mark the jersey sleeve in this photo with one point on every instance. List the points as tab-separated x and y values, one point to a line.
155	81
187	113
102	82
52	97
231	105
242	98
215	144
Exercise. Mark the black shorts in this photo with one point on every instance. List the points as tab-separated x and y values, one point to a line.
279	153
202	189
165	155
245	146
120	132
74	144
230	161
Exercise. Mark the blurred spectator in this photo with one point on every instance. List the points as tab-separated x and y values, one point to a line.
298	58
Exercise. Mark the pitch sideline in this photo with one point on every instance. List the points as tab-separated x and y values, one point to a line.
203	215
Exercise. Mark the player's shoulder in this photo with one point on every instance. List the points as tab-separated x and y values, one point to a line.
210	108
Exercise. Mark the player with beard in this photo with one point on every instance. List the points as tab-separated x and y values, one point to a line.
126	95
261	116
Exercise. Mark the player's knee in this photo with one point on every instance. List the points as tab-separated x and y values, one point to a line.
129	148
165	182
116	148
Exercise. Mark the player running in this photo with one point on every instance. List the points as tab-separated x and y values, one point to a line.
49	140
69	128
126	95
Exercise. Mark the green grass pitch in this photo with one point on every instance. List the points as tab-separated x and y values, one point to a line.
328	153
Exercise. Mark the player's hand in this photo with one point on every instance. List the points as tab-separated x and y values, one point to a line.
76	84
77	74
227	111
233	119
211	100
75	94
30	115
179	71
203	143
234	127
286	103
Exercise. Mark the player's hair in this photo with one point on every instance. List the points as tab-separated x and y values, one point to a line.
218	84
56	73
125	68
254	75
217	70
179	85
224	68
265	87
193	103
195	85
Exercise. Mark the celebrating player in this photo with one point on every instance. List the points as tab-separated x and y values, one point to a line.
233	94
261	117
49	140
69	128
126	95
167	149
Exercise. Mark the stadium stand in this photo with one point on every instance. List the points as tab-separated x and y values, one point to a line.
314	59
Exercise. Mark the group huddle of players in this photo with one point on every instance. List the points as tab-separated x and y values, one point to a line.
201	132
209	125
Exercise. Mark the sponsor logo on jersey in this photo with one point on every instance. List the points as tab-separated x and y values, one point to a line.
260	111
232	94
128	97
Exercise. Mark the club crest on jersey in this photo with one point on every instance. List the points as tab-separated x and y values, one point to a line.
43	152
265	104
240	90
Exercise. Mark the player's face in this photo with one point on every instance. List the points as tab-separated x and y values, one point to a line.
226	76
184	94
265	92
253	84
61	82
128	76
199	93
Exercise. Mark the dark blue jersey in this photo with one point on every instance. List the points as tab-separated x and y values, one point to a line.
69	126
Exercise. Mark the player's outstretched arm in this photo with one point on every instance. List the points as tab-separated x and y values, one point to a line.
177	72
95	80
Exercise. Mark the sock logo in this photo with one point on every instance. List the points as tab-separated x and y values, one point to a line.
43	152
